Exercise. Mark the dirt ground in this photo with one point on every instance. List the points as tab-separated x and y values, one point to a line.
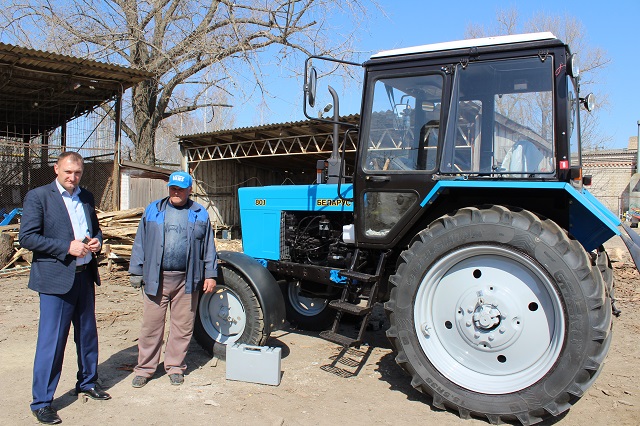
367	387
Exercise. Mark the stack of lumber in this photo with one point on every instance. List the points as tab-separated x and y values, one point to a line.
118	232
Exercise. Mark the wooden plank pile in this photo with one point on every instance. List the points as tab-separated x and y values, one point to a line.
118	232
11	255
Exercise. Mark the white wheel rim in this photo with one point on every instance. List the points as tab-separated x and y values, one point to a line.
489	319
306	306
222	315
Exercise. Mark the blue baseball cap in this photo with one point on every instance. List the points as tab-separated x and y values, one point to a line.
180	179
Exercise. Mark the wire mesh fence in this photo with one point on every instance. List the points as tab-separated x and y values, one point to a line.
27	160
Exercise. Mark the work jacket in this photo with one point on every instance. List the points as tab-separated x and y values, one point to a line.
148	247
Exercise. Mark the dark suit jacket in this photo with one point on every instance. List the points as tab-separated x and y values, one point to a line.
46	230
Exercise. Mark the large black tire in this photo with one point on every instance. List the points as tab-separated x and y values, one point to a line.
231	314
606	270
498	314
307	313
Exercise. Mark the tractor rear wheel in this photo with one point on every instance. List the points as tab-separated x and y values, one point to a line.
499	314
231	314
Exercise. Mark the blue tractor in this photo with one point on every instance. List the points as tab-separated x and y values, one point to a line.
463	211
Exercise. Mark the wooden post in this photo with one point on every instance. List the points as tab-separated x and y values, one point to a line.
44	150
116	155
26	165
107	253
6	248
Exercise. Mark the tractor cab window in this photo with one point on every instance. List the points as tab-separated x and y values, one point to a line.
404	126
501	119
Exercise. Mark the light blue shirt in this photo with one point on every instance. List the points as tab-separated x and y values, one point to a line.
77	216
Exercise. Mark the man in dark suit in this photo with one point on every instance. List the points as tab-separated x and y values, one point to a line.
59	225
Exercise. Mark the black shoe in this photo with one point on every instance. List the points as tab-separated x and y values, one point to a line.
95	393
47	415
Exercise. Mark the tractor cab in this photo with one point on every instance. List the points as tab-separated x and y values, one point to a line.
500	112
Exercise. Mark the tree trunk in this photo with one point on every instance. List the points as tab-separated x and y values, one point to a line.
145	148
144	115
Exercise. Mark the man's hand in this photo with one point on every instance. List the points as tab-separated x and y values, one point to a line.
78	249
209	285
136	281
94	245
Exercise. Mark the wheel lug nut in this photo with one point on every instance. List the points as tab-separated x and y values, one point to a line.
502	330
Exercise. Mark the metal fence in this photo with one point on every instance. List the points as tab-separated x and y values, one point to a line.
27	161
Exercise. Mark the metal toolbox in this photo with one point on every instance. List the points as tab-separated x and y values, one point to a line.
256	364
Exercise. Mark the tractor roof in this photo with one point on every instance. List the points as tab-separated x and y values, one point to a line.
462	44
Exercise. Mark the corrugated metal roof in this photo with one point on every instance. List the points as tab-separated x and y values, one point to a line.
293	133
40	91
266	131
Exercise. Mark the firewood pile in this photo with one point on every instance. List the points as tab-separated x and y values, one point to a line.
11	255
118	232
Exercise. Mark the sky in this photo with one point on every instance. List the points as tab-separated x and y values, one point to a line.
614	28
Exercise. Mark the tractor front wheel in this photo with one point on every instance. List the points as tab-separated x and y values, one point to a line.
231	314
305	311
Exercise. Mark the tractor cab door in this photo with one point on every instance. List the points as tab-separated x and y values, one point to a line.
398	150
474	120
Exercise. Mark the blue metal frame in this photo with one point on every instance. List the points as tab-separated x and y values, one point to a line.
591	223
6	219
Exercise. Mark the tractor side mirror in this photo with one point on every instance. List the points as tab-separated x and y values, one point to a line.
310	86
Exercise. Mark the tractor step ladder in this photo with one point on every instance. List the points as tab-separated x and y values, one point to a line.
342	305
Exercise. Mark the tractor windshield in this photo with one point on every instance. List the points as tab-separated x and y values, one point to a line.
501	119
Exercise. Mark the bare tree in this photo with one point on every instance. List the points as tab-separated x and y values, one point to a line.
593	60
201	47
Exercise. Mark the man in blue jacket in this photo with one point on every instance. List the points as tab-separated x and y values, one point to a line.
59	225
173	257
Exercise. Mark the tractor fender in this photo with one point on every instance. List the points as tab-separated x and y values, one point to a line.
264	286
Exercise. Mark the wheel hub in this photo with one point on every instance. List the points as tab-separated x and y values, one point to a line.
482	317
486	317
225	315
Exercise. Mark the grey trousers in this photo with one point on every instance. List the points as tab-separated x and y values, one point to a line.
182	309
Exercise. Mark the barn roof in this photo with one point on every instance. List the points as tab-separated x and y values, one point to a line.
40	91
284	146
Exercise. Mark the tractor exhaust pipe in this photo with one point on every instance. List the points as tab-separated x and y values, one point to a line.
334	162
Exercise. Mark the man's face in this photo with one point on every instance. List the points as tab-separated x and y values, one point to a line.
179	196
69	172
